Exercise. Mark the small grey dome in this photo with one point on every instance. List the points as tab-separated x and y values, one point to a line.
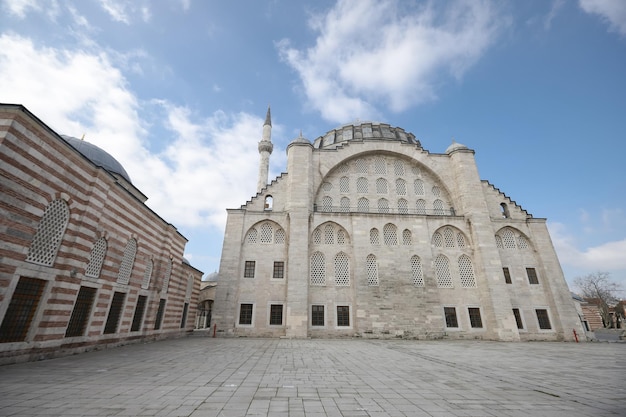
300	139
98	156
212	277
455	147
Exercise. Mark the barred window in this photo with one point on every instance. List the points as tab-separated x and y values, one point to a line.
417	276
518	318
361	185
127	262
507	275
466	272
318	269
47	240
81	312
371	265
317	315
532	276
115	312
276	315
421	206
416	170
245	314
406	237
342	270
381	186
159	317
442	271
248	271
279	270
543	319
374	237
400	186
147	274
450	315
419	187
138	316
344	184
96	258
390	234
252	236
475	320
21	310
343	316
363	205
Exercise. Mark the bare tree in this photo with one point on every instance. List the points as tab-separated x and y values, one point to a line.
602	288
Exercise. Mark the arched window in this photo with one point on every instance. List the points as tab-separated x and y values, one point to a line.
344	185
374	237
436	191
318	269
448	237
421	206
438	207
43	250
403	206
96	258
327	203
252	236
363	205
166	277
400	186
437	240
345	204
269	202
329	235
361	185
419	187
390	234
381	186
466	272
128	260
279	236
371	265
505	210
341	237
342	270
383	205
360	166
267	233
380	166
417	276
398	167
442	272
317	236
406	237
147	274
508	238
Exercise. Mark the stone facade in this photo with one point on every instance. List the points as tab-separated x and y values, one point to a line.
85	263
370	235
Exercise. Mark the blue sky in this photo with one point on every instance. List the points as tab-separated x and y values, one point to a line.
177	91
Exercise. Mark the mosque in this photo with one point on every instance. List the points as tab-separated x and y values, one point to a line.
367	234
84	263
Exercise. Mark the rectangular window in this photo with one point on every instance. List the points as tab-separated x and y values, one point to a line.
543	319
474	315
115	312
507	275
245	314
81	312
183	321
317	315
276	314
138	316
21	310
450	313
518	318
279	270
343	316
159	316
532	276
249	269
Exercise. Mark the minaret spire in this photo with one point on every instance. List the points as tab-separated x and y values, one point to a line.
265	149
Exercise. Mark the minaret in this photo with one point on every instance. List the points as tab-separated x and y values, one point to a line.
265	149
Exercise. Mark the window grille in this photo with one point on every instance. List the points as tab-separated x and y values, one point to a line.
372	271
522	243
342	270
317	236
329	235
127	262
383	205
317	315
380	166
407	237
400	186
460	240
252	236
276	315
248	271
374	237
361	166
499	244
436	191
266	233
361	185
518	318
450	315
437	240
159	316
417	276
381	186
343	168
21	310
279	270
398	167
166	278
343	316
507	275
327	204
532	276
147	274
341	237
344	184
138	316
466	272
508	239
438	207
344	205
96	258
245	314
327	187
475	320
416	170
403	206
318	269
363	205
115	312
81	312
419	187
390	235
421	206
543	319
448	237
279	236
442	271
47	240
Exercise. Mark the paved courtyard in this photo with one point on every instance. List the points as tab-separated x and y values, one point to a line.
202	376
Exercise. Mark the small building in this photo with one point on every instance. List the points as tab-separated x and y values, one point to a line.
205	301
85	263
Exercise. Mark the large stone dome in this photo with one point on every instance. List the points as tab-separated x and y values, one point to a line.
359	131
98	156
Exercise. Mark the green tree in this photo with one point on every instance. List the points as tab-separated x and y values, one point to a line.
600	287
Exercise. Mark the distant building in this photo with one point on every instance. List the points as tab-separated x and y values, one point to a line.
84	262
367	234
205	301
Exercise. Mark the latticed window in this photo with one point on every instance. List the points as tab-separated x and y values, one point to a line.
438	207
442	272
245	314
406	237
344	168
417	276
448	237
383	205
248	271
419	187
343	316
267	233
318	269
115	312
450	315
279	270
279	236
371	266
466	272
327	187
127	262
420	207
543	319
518	318
436	191
507	275
81	312
532	276
276	315
342	270
341	237
327	203
361	185
167	276
381	186
96	258
147	274
363	205
329	235
398	167
437	240
360	166
390	235
475	320
460	240
317	237
508	239
317	315
138	316
522	243
344	184
21	310
499	244
400	186
345	204
252	236
416	170
47	240
380	166
403	206
374	237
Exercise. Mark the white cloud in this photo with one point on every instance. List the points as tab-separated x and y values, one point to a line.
554	10
116	9
371	51
21	8
612	12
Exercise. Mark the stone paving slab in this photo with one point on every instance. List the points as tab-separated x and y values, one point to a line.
202	376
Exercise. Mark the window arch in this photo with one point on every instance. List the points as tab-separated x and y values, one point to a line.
344	185
508	238
47	240
360	166
421	206
279	236
267	232
371	265
269	202
505	210
318	269
363	205
361	185
400	186
403	206
438	207
390	234
442	272
317	237
448	237
327	203
96	258
381	186
417	276
342	270
345	204
407	237
383	205
128	260
437	240
252	235
436	191
380	166
398	167
329	235
419	187
374	237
